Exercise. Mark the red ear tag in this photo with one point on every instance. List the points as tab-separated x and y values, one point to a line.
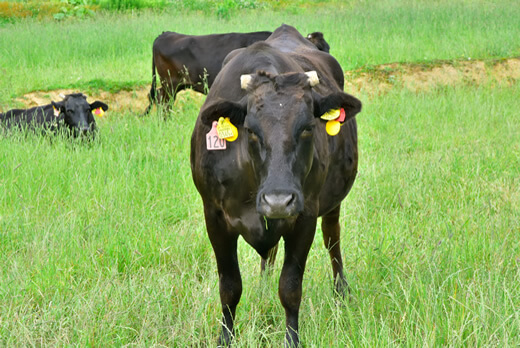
341	117
213	142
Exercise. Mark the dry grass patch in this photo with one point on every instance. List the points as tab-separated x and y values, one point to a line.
417	77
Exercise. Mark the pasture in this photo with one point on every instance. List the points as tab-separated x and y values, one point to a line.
104	243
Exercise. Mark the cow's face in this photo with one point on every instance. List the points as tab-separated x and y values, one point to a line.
279	117
280	127
76	113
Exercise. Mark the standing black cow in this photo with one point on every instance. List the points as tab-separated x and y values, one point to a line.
73	114
283	170
191	61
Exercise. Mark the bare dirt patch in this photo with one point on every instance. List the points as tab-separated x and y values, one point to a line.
417	77
371	81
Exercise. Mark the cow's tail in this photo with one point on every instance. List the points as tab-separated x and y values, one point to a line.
152	97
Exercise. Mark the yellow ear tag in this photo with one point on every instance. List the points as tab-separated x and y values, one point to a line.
332	127
226	130
99	112
56	111
332	114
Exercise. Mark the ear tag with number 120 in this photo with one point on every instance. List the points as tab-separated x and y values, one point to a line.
213	142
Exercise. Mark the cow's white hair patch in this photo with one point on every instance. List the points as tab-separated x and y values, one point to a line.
313	78
245	80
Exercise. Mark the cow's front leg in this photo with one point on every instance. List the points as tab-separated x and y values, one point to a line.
230	283
331	237
297	245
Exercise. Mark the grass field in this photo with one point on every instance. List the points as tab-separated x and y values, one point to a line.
114	50
104	244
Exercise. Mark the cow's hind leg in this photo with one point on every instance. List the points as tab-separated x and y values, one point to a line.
331	236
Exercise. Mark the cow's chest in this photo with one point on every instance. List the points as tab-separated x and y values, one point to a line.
262	234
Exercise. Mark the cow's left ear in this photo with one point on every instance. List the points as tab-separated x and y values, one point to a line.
58	108
349	103
98	104
58	105
224	108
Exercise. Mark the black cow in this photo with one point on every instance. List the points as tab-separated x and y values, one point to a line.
190	61
319	41
283	170
73	113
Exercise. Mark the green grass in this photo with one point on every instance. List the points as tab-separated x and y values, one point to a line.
104	244
115	47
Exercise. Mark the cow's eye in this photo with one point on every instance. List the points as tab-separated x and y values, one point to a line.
307	131
252	135
70	111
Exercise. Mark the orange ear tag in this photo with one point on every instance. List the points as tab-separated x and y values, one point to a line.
213	142
56	111
332	114
99	112
332	127
226	130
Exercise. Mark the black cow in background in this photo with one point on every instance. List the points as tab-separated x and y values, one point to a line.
73	114
277	163
191	61
319	41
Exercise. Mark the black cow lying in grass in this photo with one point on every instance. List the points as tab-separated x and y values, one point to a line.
191	61
73	114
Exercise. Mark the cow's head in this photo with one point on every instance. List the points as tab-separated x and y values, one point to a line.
76	113
278	116
319	41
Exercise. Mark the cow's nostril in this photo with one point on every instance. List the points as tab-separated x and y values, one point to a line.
279	200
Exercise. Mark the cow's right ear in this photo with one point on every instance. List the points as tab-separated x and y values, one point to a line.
224	108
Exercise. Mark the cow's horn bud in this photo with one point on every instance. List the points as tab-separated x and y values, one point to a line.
244	81
313	78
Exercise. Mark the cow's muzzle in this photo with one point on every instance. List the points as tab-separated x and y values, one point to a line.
279	204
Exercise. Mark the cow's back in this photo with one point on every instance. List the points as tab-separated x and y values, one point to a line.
288	40
36	116
204	53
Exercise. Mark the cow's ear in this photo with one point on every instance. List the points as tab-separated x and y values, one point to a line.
224	108
98	104
349	103
58	105
58	108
